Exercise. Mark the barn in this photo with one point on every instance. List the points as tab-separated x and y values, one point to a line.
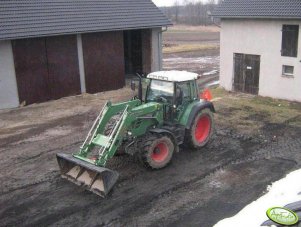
52	49
261	47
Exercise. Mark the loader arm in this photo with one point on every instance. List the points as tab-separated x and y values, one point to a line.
135	119
109	110
90	173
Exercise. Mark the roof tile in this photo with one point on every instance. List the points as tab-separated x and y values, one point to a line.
259	9
33	18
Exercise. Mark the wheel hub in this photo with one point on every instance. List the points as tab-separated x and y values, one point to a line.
160	152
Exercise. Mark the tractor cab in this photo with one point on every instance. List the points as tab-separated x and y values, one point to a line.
174	89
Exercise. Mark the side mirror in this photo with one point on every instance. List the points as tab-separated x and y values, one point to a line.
133	86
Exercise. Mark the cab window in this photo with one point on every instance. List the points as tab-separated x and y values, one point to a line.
160	88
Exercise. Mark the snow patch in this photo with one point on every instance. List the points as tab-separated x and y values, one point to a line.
280	193
210	73
213	83
180	60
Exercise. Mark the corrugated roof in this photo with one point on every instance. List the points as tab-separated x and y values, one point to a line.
33	18
286	9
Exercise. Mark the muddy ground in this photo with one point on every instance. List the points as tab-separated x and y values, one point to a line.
256	141
198	189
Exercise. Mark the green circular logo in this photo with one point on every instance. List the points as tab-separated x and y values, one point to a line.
282	216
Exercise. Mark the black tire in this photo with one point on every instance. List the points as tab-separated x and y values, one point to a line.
201	130
156	151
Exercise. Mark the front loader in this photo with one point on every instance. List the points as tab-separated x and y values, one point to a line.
172	114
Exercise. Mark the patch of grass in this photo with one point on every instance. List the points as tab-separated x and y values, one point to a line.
188	48
218	92
249	113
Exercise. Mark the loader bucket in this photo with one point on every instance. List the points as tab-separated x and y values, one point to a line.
98	180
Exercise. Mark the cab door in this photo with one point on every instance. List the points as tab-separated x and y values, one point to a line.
183	96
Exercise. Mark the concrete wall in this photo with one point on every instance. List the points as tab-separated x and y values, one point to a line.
264	38
156	49
81	63
8	85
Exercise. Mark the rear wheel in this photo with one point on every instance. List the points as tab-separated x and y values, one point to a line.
156	151
201	129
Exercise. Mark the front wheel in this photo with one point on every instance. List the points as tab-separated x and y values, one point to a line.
156	151
201	130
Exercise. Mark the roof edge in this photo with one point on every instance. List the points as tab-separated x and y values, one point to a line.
256	17
84	32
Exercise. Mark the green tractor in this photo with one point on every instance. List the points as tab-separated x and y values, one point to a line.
152	128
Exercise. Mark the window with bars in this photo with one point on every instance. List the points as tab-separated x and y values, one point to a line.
290	34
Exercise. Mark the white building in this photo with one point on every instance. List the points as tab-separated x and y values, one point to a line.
261	47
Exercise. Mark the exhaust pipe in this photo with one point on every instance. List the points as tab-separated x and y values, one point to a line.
98	180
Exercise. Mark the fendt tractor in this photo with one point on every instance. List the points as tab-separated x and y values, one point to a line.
151	126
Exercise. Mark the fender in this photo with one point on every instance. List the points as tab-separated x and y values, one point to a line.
161	130
197	108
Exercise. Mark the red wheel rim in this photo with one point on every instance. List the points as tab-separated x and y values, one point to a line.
202	129
160	152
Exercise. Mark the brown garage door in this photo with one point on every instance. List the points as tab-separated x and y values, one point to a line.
31	70
46	68
63	66
104	61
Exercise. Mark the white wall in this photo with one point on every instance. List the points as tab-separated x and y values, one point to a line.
156	49
8	85
261	37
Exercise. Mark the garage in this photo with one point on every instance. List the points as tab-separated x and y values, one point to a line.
55	49
46	68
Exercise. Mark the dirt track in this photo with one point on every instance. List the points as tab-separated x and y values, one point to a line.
197	189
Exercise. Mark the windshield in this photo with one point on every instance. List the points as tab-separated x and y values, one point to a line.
159	88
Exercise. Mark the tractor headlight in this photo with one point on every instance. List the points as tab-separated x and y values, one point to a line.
129	133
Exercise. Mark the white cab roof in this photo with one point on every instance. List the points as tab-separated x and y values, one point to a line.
174	76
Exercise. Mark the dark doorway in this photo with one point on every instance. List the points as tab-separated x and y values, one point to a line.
137	51
46	68
246	73
133	51
103	61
